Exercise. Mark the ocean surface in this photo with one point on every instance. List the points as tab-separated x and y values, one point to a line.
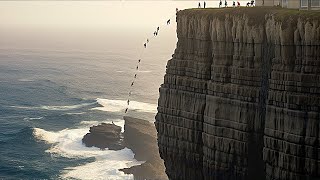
68	65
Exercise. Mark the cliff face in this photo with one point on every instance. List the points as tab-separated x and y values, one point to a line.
241	95
141	137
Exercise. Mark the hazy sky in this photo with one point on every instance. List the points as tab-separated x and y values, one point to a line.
84	24
86	14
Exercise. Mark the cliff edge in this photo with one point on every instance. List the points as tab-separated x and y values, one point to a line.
241	95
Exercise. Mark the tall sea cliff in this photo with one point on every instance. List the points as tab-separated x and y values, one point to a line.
241	96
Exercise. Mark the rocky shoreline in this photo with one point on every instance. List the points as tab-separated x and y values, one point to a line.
140	136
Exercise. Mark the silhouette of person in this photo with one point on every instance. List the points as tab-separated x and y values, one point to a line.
199	5
220	3
128	101
238	4
168	22
139	60
204	4
234	4
226	3
145	45
126	110
135	76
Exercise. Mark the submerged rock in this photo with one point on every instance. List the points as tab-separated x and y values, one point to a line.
104	136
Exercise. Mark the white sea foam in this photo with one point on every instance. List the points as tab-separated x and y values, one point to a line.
65	108
54	108
32	118
76	113
68	143
120	105
118	122
100	169
25	80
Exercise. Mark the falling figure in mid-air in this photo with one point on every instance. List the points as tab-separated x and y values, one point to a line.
168	22
132	83
139	60
126	110
137	67
145	45
128	101
135	76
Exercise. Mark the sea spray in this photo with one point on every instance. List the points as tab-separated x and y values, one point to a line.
68	143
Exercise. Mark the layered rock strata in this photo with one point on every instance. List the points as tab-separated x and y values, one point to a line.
141	137
241	95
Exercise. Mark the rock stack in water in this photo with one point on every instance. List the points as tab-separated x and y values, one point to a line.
104	136
241	96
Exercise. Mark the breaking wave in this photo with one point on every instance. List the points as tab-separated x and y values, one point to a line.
54	108
68	143
120	105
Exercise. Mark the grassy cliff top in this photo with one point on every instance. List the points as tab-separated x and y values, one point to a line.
255	14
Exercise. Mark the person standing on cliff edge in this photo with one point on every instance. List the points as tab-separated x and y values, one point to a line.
199	5
204	4
220	4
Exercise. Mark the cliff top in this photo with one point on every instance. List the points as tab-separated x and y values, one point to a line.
256	14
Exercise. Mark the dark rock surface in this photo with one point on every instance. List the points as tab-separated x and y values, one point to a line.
241	96
141	137
104	136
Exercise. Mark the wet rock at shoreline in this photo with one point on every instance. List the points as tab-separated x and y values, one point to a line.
141	137
104	136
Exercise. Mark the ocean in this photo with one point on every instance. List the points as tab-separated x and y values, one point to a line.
68	65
